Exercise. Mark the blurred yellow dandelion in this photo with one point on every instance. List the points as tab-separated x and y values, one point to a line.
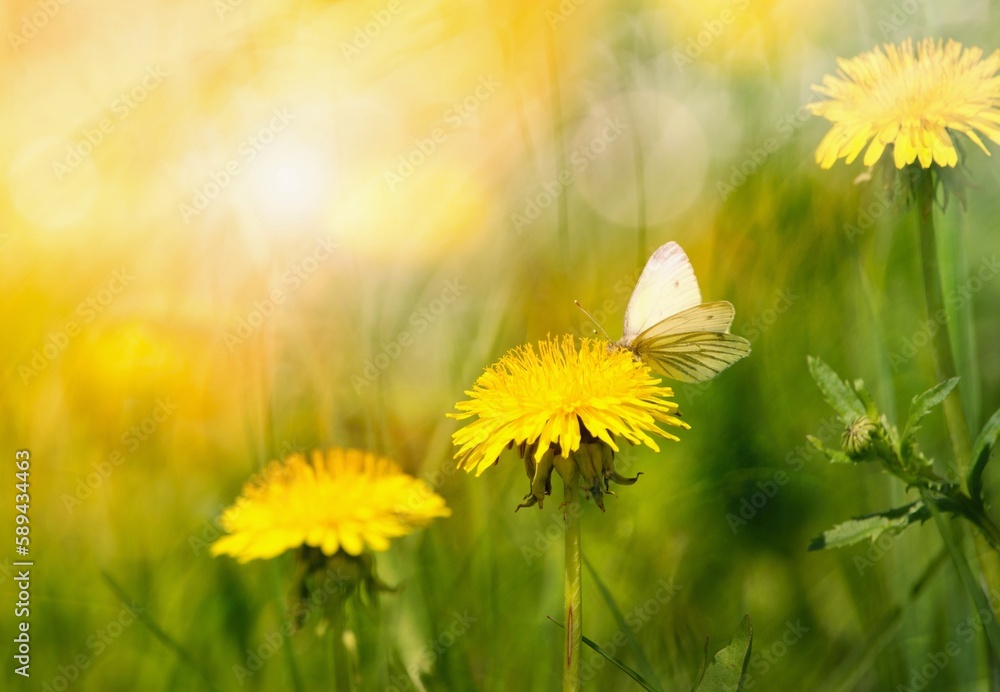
559	398
341	500
910	101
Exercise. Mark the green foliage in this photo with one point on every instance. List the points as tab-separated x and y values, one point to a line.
923	403
837	392
981	453
870	437
727	671
871	526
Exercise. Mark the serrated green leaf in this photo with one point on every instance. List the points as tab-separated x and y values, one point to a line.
981	452
837	392
922	404
865	397
726	671
870	526
834	455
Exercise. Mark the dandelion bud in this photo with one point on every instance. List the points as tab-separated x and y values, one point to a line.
857	437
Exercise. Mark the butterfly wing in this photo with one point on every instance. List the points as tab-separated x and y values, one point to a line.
666	286
694	345
716	316
691	356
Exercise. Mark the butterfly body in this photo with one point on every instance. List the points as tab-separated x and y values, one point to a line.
671	330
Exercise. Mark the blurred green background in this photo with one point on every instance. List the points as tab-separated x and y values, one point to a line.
176	172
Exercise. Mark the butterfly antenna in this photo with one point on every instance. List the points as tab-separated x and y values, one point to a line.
593	320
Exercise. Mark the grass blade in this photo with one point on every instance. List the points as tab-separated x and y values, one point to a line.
640	657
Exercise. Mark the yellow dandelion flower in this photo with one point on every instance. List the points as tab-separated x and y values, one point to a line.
911	102
559	401
341	500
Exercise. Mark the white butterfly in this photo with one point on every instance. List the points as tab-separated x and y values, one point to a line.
671	330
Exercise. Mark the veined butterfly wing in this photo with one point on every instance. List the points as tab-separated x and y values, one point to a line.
691	356
716	316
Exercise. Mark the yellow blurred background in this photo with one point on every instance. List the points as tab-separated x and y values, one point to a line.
232	229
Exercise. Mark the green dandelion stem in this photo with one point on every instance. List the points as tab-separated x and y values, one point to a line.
339	653
972	587
978	516
944	360
573	588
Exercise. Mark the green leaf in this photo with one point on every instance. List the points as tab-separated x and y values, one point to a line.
640	656
726	671
837	392
922	404
981	452
865	397
834	455
870	526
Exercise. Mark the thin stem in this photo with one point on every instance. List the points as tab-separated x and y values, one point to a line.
339	655
573	589
978	516
944	361
958	428
979	599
